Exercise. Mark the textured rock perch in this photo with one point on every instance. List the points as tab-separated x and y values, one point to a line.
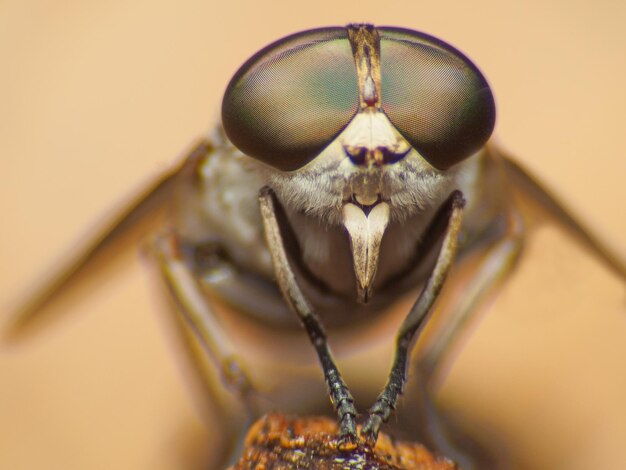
281	442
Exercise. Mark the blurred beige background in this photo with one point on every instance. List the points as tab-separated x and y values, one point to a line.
97	97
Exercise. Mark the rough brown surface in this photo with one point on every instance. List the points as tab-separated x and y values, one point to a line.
281	442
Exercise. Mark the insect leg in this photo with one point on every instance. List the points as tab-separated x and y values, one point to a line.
386	402
496	264
340	396
196	315
497	259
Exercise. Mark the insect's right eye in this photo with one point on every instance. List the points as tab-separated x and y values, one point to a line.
291	99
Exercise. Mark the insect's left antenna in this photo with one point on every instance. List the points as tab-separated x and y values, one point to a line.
131	223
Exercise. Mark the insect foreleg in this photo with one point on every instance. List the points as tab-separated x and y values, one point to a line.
495	265
340	396
386	402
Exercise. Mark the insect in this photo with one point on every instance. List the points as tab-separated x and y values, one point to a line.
352	169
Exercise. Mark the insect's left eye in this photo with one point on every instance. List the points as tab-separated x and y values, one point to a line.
436	98
292	98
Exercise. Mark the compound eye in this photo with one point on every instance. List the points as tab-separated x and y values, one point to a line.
436	98
292	98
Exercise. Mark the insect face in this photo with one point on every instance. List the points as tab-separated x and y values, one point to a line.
358	141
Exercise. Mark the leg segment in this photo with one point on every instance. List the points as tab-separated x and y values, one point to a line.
340	396
386	402
496	264
498	256
196	318
198	314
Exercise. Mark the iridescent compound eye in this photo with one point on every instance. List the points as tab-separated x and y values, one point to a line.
292	98
436	98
